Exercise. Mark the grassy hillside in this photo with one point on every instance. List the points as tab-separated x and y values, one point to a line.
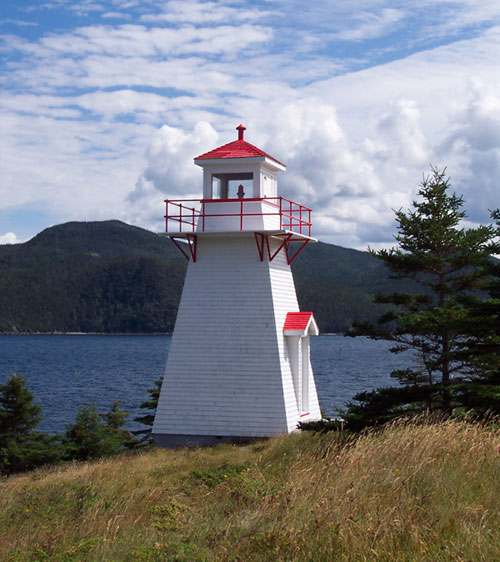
426	492
112	277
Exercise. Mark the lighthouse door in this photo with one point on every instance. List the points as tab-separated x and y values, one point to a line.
304	352
298	347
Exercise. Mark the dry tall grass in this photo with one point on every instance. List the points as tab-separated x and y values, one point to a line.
423	492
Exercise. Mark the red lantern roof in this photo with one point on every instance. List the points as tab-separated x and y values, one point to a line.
237	149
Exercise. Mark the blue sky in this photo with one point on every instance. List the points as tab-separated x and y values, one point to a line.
105	103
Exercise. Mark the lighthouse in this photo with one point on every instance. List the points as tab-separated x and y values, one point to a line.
239	364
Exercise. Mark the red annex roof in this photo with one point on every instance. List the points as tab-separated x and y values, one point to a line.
237	149
299	322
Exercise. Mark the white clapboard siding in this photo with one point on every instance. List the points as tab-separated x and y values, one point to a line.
285	300
228	371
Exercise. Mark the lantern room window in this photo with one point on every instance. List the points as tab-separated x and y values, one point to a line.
232	186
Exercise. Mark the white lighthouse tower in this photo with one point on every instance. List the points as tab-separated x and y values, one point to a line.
238	365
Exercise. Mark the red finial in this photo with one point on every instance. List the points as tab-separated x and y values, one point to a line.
241	132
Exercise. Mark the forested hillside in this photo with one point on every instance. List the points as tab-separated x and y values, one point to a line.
90	277
112	277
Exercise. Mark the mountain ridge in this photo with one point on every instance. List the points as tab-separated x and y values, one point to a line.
111	277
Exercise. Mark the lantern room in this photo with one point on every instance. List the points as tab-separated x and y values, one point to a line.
240	194
239	170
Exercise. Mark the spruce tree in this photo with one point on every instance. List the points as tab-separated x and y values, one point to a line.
94	435
148	419
448	265
18	412
21	447
479	392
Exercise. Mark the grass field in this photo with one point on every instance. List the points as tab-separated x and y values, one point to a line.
423	492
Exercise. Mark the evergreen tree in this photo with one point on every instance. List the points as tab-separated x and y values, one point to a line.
18	412
94	435
148	419
22	448
449	264
115	420
480	390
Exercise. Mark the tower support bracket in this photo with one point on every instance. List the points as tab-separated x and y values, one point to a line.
192	242
262	241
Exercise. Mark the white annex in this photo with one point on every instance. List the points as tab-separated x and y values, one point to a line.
239	365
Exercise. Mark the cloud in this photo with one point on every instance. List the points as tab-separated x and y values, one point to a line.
400	140
472	148
477	123
131	40
116	15
306	134
188	11
21	23
452	17
170	158
8	238
83	7
102	121
70	169
131	56
170	171
370	25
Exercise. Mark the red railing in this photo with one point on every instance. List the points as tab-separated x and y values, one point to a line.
293	216
186	215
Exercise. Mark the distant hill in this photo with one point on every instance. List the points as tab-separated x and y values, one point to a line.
90	277
112	277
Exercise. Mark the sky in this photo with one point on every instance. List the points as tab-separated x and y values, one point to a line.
105	103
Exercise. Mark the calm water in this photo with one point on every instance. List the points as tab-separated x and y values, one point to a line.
68	370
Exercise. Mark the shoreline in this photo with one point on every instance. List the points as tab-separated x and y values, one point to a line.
115	334
85	333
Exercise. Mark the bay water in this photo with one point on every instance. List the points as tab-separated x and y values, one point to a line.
66	371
